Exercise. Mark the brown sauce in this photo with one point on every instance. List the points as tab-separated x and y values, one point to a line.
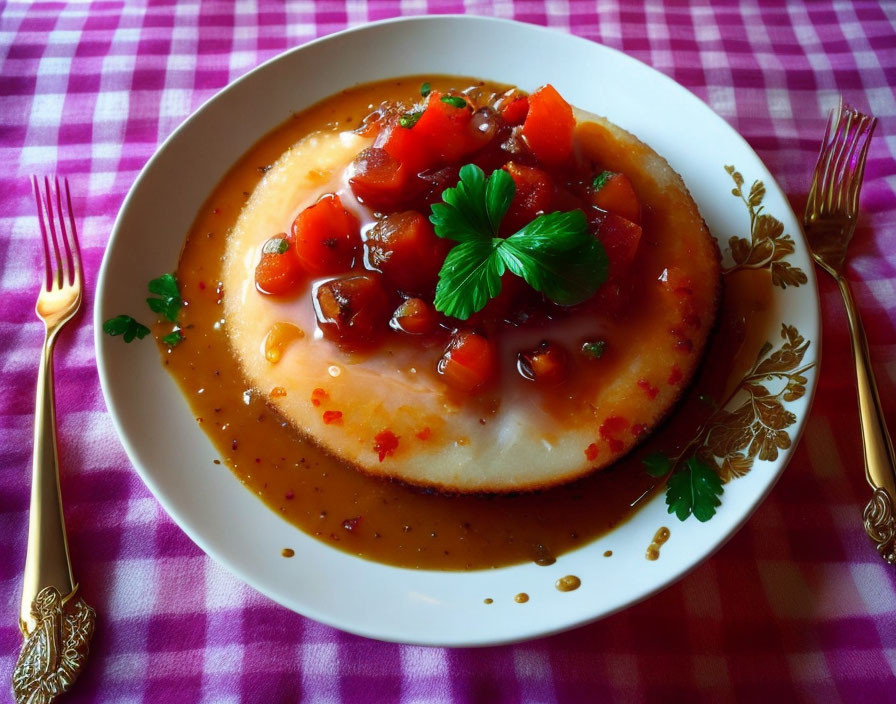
569	583
659	539
521	598
287	552
488	601
387	521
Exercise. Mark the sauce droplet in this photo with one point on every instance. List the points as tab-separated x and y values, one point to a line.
279	337
287	552
653	550
487	601
608	553
521	598
568	583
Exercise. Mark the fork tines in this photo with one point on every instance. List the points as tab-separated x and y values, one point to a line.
67	258
841	163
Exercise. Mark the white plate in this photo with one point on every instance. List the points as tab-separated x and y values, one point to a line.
174	457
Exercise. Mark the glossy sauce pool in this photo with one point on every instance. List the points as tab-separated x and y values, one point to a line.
387	521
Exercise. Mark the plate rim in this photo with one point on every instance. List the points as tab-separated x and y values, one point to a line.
243	575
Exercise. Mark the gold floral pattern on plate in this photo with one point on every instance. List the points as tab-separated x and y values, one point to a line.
768	245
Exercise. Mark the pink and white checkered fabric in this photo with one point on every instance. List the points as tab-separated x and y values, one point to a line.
796	607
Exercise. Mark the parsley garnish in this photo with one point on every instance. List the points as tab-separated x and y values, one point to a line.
657	464
601	180
275	245
409	119
125	326
594	350
454	100
555	254
173	339
695	489
169	302
425	89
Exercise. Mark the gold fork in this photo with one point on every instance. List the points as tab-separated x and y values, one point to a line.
829	222
57	625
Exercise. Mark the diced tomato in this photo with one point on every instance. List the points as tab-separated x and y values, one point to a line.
279	272
378	180
326	237
405	248
620	238
514	113
532	197
549	125
407	146
352	310
415	317
469	363
447	129
617	195
547	364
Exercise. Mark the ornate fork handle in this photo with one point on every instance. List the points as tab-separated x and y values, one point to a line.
880	460
57	624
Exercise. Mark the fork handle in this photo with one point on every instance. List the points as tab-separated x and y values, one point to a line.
880	460
47	561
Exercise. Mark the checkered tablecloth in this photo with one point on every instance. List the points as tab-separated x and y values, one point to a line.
797	606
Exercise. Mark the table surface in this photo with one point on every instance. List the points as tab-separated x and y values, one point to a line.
796	605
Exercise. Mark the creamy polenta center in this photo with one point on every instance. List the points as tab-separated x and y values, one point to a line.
388	411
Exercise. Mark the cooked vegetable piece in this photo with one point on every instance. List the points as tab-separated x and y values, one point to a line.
326	237
405	248
415	317
407	146
279	271
352	310
549	125
620	238
532	197
514	113
469	363
446	128
378	180
617	195
547	364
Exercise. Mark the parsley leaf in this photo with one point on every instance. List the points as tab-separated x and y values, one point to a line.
173	339
656	464
470	277
601	180
694	490
454	100
425	89
125	326
465	213
595	349
409	119
540	254
276	245
169	302
554	254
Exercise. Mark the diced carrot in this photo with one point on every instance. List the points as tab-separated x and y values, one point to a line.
406	249
445	127
279	271
514	113
532	197
326	237
616	194
620	238
469	363
547	364
549	125
415	317
352	310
